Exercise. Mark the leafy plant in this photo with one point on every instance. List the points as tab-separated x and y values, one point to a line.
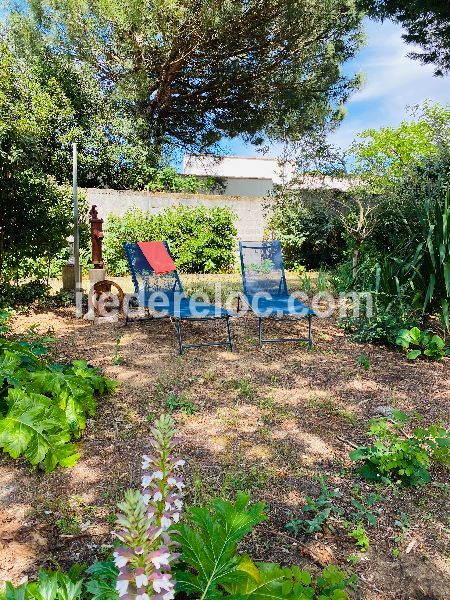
363	510
49	586
213	568
359	534
180	403
363	361
397	454
323	508
382	327
43	406
422	343
101	584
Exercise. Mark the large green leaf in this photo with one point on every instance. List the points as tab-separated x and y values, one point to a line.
208	540
270	582
36	429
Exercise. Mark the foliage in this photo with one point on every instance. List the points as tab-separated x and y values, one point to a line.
382	327
180	403
427	24
406	457
322	508
209	541
363	361
310	233
43	405
380	155
19	295
193	75
422	343
49	586
200	239
101	584
167	179
359	534
365	510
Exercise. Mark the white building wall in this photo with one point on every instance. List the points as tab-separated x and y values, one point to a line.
239	167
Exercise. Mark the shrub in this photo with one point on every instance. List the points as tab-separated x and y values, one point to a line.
382	327
397	454
311	235
202	240
18	295
167	179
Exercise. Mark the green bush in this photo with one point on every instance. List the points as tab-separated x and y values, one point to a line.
19	295
167	179
311	235
202	240
383	326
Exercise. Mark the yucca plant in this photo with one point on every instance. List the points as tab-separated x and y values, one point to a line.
431	261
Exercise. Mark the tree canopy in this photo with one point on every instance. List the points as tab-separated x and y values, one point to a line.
193	71
427	24
381	155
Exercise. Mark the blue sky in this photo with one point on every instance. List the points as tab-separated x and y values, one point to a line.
392	82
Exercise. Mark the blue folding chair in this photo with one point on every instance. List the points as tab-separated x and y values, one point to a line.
266	291
164	294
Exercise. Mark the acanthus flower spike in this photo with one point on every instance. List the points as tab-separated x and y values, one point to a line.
145	559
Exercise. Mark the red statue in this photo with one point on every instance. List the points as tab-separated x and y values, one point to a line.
96	238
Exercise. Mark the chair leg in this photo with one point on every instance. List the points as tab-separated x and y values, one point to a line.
230	334
260	330
310	339
179	336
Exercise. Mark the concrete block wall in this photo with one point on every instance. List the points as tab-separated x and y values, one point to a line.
250	222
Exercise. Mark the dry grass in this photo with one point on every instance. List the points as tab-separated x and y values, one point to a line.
266	420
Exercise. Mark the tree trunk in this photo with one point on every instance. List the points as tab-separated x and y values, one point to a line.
355	261
1	251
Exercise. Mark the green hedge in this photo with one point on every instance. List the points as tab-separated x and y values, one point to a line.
202	240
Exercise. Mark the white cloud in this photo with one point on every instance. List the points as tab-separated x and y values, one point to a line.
393	82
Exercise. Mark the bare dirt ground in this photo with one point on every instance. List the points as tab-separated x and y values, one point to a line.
266	420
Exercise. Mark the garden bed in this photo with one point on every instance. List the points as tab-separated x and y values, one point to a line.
267	420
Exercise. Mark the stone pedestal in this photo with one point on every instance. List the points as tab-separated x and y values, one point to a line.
96	275
68	278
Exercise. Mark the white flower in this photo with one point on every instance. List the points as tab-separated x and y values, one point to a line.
162	584
146	461
169	596
179	463
176	517
141	580
143	596
147	479
146	498
120	560
161	560
165	522
167	506
122	587
171	481
178	504
157	496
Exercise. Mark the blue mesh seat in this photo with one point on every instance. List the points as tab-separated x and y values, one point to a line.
164	294
265	288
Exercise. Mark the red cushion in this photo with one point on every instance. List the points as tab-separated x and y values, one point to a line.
157	256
